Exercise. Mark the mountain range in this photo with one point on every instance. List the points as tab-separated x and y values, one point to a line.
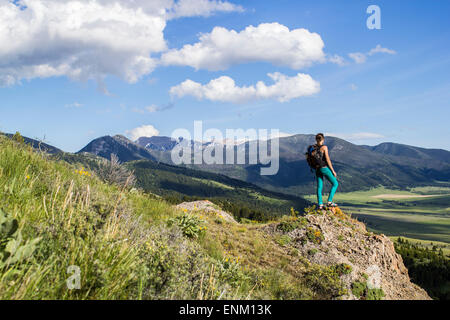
358	166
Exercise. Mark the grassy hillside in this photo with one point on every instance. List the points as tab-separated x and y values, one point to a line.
129	245
176	184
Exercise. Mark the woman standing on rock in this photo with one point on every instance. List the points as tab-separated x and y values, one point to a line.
319	159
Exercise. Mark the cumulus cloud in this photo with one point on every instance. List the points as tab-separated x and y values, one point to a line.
268	42
142	131
359	57
356	135
88	39
224	89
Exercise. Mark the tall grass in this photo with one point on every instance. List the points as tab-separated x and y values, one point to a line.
104	230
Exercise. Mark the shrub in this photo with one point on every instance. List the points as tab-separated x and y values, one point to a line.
359	289
325	282
190	225
290	224
375	294
314	235
363	292
115	173
342	269
17	137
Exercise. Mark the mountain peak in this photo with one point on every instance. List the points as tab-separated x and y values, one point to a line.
125	149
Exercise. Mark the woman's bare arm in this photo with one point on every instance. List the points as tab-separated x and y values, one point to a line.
327	157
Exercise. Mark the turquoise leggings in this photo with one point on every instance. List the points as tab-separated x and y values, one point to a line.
325	172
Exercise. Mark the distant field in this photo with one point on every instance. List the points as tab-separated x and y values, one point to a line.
402	196
419	213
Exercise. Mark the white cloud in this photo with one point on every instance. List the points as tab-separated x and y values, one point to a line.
380	49
143	131
88	39
356	135
268	42
205	8
359	57
337	59
224	89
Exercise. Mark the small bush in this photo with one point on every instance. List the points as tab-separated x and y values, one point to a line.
190	225
325	282
314	235
363	292
291	224
359	289
17	137
375	294
342	269
115	173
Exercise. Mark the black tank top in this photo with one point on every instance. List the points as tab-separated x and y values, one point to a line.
323	162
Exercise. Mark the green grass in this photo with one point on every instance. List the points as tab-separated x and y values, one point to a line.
82	222
416	217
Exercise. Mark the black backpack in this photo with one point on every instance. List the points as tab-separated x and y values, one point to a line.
314	157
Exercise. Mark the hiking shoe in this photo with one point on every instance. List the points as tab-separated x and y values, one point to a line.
332	204
321	207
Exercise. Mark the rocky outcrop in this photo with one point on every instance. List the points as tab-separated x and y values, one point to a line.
366	263
208	206
334	238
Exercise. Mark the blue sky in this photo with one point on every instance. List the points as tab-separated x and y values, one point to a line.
401	94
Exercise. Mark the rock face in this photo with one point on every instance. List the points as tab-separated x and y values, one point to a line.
333	238
208	206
